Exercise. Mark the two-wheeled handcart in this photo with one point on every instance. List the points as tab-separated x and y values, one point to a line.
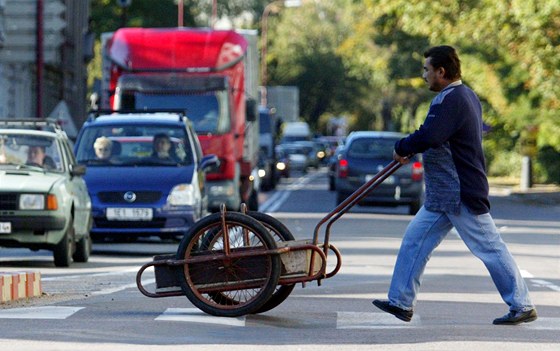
236	263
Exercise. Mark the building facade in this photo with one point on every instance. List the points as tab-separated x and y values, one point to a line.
44	49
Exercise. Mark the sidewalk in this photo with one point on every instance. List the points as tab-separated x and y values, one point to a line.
538	194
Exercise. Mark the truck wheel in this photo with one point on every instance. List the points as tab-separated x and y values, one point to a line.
62	252
253	202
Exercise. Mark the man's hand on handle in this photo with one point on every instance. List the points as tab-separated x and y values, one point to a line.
403	160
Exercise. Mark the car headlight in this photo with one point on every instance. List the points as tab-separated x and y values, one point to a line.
221	190
262	173
37	202
280	166
183	195
31	202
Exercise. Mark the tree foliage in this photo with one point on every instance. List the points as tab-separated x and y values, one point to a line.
363	59
509	50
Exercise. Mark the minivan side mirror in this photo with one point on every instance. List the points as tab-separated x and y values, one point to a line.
77	170
209	161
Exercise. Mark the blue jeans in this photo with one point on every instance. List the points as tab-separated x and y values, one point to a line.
425	233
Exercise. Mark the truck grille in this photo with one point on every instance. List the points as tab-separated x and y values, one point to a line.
117	197
8	201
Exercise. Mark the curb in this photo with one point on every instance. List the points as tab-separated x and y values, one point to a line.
19	285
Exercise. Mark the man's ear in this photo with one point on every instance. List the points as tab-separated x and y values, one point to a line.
441	72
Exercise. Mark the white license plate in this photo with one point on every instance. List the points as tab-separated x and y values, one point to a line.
129	214
5	227
389	180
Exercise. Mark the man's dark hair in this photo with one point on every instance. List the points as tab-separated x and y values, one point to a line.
445	56
159	136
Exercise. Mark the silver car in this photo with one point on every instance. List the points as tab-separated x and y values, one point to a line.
44	203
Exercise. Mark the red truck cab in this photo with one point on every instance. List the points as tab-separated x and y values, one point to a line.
204	73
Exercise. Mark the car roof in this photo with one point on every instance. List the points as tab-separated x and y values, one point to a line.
374	134
29	132
139	118
33	126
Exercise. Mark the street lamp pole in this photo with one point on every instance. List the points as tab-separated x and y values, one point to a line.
264	32
273	6
180	16
214	13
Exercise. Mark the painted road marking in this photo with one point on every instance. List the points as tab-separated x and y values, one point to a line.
276	200
539	282
197	316
41	312
369	320
544	323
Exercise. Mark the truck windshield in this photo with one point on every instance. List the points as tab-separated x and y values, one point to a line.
208	112
134	145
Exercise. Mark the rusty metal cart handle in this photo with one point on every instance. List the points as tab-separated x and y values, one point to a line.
352	200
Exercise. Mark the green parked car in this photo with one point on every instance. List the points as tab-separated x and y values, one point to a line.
44	203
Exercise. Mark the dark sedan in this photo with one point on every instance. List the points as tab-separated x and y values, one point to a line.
364	154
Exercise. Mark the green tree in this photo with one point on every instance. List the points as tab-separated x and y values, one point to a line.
509	48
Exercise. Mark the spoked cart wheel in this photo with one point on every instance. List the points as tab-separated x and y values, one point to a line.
279	233
228	254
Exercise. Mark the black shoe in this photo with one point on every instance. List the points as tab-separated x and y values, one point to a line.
401	314
513	318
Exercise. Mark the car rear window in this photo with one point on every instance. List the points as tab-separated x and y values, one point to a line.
372	148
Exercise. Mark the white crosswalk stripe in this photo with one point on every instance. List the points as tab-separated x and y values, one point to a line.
344	320
41	312
369	320
194	315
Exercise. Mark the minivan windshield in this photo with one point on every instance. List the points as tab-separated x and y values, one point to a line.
134	145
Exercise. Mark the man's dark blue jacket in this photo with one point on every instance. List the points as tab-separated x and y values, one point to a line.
451	142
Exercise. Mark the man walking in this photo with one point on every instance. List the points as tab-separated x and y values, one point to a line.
456	194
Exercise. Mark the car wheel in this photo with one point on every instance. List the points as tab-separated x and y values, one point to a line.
414	207
62	252
83	249
340	198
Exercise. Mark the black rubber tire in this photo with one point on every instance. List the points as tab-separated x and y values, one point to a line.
83	249
196	243
253	202
63	251
280	233
332	186
414	207
340	198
